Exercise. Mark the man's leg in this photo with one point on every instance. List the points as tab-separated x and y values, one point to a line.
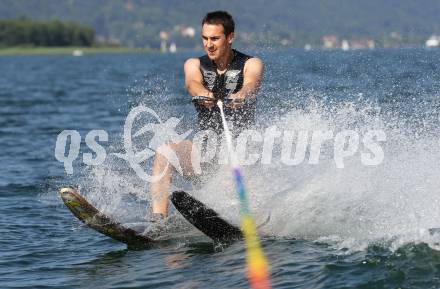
160	190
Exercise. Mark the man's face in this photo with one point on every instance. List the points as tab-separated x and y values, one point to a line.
215	42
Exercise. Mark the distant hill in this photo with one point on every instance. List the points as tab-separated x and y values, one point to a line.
138	22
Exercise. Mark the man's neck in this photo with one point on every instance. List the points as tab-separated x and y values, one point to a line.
223	63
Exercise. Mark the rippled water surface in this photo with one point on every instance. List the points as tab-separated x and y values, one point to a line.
353	227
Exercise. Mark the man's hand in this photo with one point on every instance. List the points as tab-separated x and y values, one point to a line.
208	101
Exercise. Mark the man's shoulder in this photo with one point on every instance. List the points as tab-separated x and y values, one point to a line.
254	65
192	62
255	61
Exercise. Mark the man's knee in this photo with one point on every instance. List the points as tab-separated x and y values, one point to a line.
167	153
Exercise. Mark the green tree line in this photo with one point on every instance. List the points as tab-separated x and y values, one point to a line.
27	32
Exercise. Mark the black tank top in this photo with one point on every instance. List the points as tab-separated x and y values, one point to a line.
222	85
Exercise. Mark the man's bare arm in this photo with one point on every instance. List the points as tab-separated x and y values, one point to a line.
253	75
194	79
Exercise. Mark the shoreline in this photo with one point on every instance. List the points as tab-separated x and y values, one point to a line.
73	51
11	51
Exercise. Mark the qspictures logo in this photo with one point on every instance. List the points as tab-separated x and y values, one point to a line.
252	147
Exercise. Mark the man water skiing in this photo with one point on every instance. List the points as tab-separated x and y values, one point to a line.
222	74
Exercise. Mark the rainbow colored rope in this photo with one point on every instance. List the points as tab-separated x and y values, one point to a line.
257	266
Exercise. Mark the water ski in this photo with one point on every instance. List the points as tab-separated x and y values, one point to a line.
98	221
204	218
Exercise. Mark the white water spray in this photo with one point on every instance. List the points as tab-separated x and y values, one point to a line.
395	201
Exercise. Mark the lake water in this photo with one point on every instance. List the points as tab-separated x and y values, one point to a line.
356	226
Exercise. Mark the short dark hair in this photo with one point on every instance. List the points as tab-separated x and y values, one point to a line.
220	17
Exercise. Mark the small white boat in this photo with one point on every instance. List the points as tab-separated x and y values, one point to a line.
77	52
